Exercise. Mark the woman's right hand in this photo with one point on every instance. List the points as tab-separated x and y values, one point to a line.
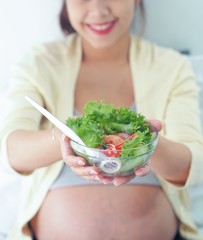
78	164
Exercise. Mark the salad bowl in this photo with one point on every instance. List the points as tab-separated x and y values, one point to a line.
116	140
110	160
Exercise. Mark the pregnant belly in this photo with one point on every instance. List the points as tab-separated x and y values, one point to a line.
103	212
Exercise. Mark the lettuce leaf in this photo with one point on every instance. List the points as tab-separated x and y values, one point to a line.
137	145
101	119
88	130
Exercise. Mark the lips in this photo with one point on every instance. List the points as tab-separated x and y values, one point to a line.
101	28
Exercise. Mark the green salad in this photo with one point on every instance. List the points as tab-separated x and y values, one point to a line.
119	131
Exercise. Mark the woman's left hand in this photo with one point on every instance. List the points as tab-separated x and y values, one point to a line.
144	170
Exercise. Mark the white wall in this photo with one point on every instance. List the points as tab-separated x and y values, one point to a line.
176	23
22	24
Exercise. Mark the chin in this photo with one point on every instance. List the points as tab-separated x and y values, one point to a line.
99	44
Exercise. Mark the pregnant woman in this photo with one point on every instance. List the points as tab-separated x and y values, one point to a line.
62	197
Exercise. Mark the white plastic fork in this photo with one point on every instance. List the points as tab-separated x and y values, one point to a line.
60	125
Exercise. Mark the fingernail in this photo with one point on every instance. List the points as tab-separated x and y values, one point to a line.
139	172
116	184
96	178
81	163
106	181
92	172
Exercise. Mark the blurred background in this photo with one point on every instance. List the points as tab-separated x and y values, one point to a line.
176	24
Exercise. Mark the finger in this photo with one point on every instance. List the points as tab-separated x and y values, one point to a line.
122	180
74	161
68	154
66	148
155	124
107	180
92	178
143	171
87	171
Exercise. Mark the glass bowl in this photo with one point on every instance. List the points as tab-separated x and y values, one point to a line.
117	166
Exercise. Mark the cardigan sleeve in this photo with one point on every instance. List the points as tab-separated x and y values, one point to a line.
182	119
26	78
47	74
166	89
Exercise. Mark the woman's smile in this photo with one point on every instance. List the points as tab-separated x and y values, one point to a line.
101	28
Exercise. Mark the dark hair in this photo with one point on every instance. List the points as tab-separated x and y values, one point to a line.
142	11
64	22
141	19
67	28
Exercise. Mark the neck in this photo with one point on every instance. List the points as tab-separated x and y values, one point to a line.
118	52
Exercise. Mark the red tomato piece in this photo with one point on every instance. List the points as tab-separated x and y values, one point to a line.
119	146
113	139
113	151
132	136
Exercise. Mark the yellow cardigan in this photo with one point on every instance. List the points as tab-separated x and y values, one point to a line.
165	89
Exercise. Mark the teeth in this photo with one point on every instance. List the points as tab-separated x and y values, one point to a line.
101	27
